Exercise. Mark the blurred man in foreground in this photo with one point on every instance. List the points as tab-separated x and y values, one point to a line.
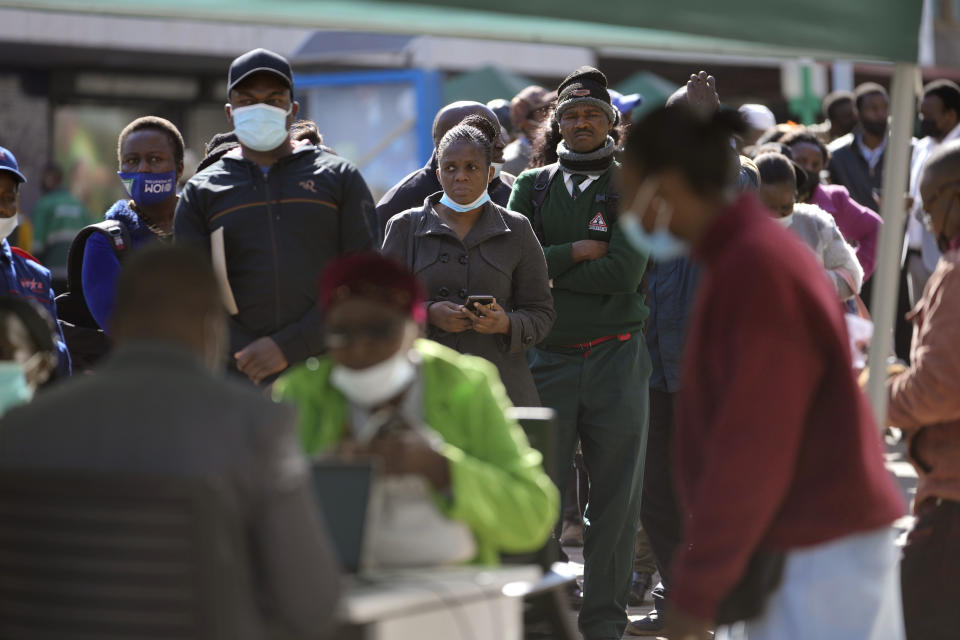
158	407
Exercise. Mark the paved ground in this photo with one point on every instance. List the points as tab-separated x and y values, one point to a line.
902	471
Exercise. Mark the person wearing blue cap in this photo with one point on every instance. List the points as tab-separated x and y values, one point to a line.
625	104
20	273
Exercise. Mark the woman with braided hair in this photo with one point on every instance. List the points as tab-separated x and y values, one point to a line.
460	244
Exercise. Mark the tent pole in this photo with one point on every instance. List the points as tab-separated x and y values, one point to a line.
886	277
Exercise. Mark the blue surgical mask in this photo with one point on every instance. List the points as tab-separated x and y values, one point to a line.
14	389
463	208
260	127
149	188
661	244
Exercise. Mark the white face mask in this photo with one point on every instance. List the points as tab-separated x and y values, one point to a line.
661	243
497	169
260	126
785	220
7	225
375	385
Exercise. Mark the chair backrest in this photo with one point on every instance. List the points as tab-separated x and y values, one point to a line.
117	555
540	425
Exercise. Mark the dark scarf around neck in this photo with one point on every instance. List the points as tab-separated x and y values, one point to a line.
594	163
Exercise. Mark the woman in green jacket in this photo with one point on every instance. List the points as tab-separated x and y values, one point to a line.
481	468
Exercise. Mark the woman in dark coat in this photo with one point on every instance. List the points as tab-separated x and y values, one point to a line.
460	244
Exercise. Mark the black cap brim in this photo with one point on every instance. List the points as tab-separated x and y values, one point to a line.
251	72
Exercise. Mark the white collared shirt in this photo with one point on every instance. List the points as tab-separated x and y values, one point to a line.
872	156
923	150
568	181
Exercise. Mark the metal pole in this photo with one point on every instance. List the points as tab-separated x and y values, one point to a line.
886	278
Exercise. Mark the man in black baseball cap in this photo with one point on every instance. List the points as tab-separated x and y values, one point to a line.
257	61
274	212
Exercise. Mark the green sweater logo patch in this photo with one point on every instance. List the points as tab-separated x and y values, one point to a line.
597	223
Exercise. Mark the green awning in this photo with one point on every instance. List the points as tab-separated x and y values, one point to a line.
483	85
857	29
654	89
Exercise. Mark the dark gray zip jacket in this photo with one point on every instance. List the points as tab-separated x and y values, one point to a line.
280	230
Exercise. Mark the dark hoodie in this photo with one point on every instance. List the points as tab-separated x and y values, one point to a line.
280	229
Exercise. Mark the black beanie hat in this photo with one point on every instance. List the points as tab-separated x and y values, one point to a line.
586	85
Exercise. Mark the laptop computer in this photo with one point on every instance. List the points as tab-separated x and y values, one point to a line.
345	493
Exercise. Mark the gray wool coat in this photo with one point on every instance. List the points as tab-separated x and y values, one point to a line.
500	257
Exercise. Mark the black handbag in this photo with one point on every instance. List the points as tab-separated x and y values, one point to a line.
748	598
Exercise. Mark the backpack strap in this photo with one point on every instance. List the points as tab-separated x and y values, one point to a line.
610	200
114	231
540	189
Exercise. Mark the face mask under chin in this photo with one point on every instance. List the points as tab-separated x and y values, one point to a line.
661	243
449	202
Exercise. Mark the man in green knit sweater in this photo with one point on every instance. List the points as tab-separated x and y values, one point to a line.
593	368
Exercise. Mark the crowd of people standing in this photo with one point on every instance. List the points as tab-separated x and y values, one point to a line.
674	289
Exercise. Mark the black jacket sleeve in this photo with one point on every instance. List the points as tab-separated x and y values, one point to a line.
188	223
359	230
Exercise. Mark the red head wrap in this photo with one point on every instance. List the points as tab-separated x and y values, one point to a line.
374	277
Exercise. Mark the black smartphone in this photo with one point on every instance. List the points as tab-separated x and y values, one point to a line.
483	301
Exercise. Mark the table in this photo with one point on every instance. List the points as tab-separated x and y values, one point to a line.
452	603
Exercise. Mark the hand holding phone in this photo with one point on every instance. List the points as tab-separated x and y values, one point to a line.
486	315
484	301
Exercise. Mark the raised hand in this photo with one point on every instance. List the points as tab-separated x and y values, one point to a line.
702	93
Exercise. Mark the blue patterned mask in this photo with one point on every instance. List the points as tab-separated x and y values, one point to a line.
149	188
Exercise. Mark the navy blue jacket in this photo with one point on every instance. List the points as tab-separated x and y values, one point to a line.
26	278
671	286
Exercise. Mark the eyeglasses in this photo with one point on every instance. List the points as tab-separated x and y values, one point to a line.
925	215
340	338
